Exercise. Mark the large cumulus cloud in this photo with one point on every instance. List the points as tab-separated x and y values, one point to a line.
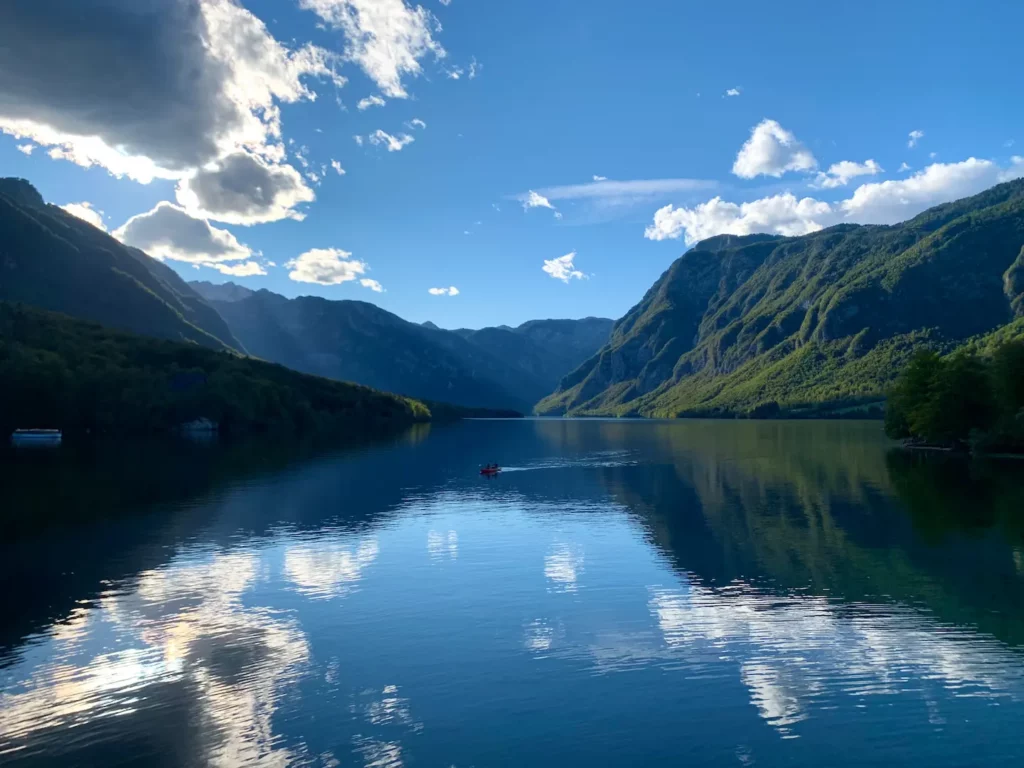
151	88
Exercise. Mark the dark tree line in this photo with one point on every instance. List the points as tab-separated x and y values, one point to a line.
965	400
56	372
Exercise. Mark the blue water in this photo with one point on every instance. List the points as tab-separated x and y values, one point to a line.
625	593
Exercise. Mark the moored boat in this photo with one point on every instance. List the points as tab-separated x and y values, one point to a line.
36	437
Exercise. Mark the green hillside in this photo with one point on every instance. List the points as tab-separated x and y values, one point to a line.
58	372
809	325
53	260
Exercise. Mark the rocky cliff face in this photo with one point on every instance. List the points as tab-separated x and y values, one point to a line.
740	322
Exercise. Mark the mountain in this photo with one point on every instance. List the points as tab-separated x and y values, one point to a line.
360	342
56	261
222	291
543	350
814	324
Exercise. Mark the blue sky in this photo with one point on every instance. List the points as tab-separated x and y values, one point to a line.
549	95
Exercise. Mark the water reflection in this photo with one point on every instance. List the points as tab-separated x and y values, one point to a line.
328	568
633	594
181	627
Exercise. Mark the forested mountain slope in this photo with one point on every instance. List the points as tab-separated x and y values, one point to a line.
56	261
761	323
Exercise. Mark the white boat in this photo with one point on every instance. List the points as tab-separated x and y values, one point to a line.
36	437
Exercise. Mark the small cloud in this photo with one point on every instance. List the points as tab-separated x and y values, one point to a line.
465	231
337	168
563	268
839	174
373	285
600	178
86	212
771	150
26	149
313	176
325	266
474	68
732	92
455	73
450	291
245	269
358	140
533	200
904	167
370	101
445	3
558	215
496	207
915	136
1008	143
393	143
416	123
933	155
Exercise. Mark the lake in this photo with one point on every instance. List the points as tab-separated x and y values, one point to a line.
624	593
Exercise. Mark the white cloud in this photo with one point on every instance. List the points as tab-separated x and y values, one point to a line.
370	101
600	178
245	189
1008	143
451	291
169	232
393	143
150	91
454	73
373	285
781	214
771	150
885	202
86	212
445	2
244	269
358	140
563	268
733	92
915	136
26	149
325	266
385	38
337	168
621	191
474	68
839	174
558	215
932	155
417	123
888	202
904	167
533	200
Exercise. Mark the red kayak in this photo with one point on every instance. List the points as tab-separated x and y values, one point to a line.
490	471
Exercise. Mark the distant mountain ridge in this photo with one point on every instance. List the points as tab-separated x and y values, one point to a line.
360	342
53	260
765	324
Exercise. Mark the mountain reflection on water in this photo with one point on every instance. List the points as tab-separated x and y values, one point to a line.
625	593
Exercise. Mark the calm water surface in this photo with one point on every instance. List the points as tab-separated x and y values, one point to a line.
626	593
